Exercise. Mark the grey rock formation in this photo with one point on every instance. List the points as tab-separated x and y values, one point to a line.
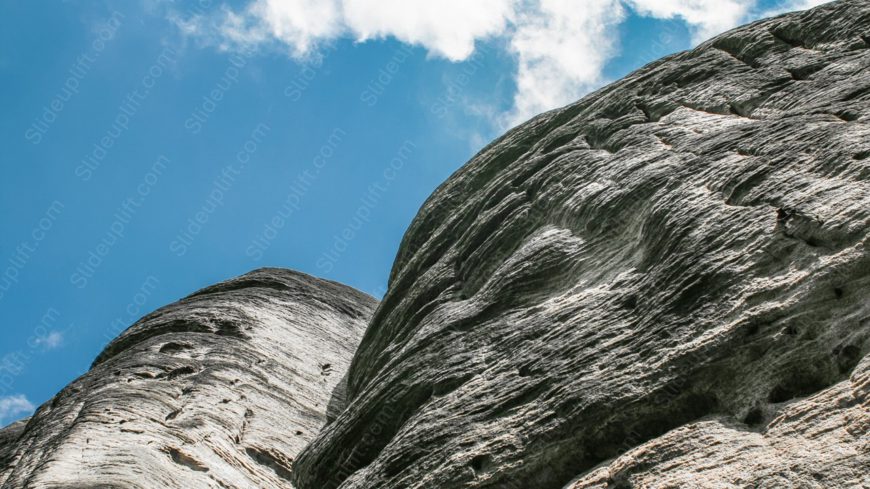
819	442
8	437
672	272
662	285
219	390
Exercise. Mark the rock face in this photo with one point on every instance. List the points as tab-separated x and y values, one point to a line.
664	284
819	442
8	436
219	390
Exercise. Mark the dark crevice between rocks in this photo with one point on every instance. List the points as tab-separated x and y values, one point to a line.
856	94
597	144
734	52
172	347
847	115
863	155
220	327
185	460
754	417
805	72
650	117
800	382
177	372
266	459
787	38
717	110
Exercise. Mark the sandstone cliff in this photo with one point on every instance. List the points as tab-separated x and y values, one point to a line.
221	389
685	249
663	285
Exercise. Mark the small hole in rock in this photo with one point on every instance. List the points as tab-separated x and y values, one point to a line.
813	242
525	370
800	384
753	417
848	115
847	358
480	462
838	292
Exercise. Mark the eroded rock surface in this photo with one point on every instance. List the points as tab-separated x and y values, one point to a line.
219	390
685	249
8	436
819	443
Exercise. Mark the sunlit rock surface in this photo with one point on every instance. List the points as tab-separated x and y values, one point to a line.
672	272
663	285
219	390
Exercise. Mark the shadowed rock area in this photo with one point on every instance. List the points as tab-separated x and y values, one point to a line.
219	390
664	284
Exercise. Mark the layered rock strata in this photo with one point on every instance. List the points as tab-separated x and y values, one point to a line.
685	249
219	390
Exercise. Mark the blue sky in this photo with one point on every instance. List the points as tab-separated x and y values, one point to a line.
152	148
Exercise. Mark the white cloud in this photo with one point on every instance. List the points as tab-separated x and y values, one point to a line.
561	46
52	340
446	28
561	52
12	407
792	5
706	17
298	23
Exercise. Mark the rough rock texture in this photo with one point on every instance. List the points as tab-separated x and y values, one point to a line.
8	436
683	250
221	389
820	442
